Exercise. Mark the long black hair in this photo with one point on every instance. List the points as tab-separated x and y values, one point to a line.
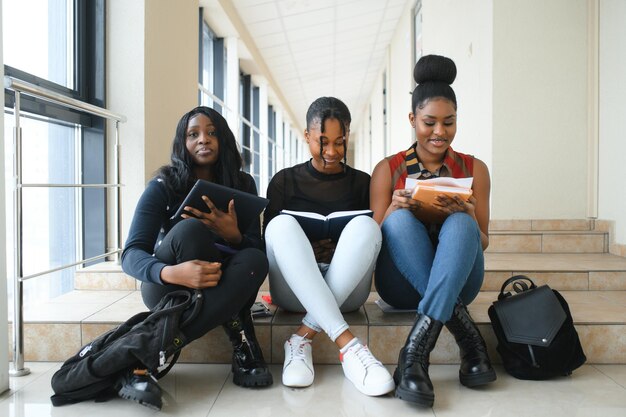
330	108
179	176
433	75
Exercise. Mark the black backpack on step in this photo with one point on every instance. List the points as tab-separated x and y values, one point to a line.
146	340
535	331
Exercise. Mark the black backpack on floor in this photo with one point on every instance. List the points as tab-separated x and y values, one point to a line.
146	340
535	331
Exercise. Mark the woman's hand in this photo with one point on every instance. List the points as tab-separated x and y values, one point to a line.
401	199
455	204
224	224
193	274
324	250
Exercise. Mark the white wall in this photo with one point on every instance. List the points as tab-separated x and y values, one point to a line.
399	69
400	85
469	45
171	68
125	84
4	342
539	109
152	73
463	31
612	132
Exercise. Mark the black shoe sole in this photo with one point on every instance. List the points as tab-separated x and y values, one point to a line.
251	381
149	400
475	380
423	400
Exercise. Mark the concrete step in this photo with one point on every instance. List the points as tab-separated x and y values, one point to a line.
580	272
55	330
548	242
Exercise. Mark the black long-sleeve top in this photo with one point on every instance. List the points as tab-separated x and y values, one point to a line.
303	188
152	221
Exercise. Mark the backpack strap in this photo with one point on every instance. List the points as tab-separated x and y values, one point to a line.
518	285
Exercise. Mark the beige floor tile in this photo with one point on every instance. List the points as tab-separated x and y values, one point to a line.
192	390
561	281
514	243
571	243
88	296
493	280
61	313
104	281
607	280
90	332
582	262
574	224
513	225
616	373
603	344
51	342
116	313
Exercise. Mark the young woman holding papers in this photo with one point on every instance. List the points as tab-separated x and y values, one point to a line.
434	266
169	252
326	277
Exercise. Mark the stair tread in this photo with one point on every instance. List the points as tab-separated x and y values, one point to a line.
113	307
547	232
559	262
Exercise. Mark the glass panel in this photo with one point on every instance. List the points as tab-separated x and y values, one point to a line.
417	22
38	38
49	215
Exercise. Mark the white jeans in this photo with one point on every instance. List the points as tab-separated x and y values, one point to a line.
298	283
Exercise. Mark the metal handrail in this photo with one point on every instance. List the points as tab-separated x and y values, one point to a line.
21	87
43	93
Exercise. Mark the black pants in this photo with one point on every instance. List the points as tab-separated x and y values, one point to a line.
242	275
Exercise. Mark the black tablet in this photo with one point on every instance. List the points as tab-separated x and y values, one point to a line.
248	206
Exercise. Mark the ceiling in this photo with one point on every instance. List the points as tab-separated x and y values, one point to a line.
314	48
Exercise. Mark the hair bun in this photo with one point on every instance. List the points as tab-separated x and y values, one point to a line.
434	68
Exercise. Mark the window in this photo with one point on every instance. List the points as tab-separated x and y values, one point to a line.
59	45
385	139
249	112
271	145
211	71
417	30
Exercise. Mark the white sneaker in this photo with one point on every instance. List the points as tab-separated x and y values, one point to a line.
298	367
366	373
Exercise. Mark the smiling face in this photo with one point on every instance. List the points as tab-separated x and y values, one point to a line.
435	128
201	141
333	145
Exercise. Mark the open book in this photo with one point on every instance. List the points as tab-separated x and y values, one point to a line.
426	191
318	227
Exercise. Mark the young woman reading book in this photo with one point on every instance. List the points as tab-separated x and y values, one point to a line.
324	278
436	268
171	253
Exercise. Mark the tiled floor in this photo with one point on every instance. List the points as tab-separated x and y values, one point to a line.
206	390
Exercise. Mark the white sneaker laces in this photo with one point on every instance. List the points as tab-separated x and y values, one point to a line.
366	357
296	350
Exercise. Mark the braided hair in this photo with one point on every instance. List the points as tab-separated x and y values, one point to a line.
179	176
433	75
325	108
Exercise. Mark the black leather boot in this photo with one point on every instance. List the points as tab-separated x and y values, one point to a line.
411	376
249	367
475	368
137	385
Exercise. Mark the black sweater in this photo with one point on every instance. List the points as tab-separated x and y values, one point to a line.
152	221
303	188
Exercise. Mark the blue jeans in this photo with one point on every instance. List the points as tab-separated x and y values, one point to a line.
414	272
